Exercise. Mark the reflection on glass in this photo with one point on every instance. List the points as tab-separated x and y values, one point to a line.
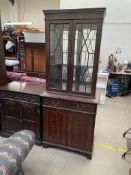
59	34
85	41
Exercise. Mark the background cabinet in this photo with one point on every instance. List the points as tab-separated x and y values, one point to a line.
35	62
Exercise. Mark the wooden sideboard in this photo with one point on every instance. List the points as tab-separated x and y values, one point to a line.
68	122
20	108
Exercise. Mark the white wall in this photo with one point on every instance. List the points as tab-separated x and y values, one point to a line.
5	12
31	10
27	10
116	28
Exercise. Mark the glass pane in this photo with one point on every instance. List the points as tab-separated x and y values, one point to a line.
85	40
59	36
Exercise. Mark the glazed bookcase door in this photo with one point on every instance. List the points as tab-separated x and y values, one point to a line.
58	54
85	56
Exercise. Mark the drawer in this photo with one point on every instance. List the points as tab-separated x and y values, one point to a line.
55	102
71	105
19	97
80	106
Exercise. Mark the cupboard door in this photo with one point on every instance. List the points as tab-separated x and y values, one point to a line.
10	117
55	125
80	130
30	118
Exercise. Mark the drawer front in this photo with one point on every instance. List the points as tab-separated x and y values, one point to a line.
55	102
71	105
82	106
20	97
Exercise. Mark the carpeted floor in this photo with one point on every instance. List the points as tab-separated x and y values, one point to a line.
113	118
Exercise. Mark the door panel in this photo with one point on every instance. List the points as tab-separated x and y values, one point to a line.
10	117
30	117
80	130
55	125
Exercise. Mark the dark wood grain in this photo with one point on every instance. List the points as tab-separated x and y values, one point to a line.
3	75
75	118
55	123
66	14
80	130
71	97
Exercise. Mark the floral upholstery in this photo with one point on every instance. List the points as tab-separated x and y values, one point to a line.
14	150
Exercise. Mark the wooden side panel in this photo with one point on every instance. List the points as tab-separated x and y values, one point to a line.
80	130
3	76
55	126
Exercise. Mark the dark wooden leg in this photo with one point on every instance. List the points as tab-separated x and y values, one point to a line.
45	145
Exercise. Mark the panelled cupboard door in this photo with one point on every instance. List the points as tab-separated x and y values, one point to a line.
80	130
30	117
10	117
55	125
